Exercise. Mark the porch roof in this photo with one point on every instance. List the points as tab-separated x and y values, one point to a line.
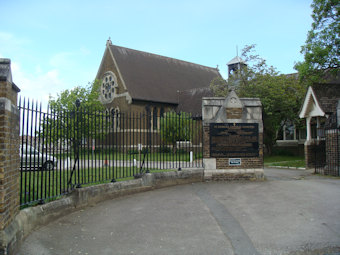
311	106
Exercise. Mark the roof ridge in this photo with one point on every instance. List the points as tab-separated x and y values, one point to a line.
235	60
161	56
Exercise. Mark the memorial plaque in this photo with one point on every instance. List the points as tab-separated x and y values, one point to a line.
234	140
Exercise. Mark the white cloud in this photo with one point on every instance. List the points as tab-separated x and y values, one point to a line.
38	73
39	80
38	86
11	43
68	59
5	36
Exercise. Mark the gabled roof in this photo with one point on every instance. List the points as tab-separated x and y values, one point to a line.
322	98
328	96
156	78
236	60
311	106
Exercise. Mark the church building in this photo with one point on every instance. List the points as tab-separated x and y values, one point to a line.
137	81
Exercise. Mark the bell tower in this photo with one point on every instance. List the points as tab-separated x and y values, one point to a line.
235	65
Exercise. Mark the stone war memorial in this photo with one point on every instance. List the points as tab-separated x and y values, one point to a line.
233	138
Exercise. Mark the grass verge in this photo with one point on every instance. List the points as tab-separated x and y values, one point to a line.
46	186
154	156
284	161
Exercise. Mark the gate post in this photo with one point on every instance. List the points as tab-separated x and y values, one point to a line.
233	138
9	156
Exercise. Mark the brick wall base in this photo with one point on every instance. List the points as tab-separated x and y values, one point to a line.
309	156
234	175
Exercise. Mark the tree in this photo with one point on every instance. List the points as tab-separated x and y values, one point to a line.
71	116
321	50
176	127
281	95
219	87
88	97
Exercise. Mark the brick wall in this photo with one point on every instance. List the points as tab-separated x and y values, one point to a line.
223	163
9	154
310	155
206	142
332	152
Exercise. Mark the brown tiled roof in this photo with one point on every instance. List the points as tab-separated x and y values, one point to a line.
328	96
191	100
156	78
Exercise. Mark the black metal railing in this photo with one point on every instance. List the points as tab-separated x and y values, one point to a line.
327	152
64	149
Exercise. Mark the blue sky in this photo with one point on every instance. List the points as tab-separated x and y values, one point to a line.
56	45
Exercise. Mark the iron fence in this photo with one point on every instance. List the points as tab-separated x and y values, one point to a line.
65	149
327	152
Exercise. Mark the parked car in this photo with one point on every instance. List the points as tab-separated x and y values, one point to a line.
31	158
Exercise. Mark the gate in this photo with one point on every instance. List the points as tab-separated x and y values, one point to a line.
62	150
327	152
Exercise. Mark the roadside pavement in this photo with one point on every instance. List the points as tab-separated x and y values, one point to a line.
293	212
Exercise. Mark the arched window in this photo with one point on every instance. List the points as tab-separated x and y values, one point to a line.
107	115
115	115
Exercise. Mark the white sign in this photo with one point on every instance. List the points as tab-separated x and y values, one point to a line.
234	162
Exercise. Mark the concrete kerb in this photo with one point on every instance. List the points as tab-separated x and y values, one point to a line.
288	167
32	218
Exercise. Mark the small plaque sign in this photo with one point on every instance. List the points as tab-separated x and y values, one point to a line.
235	162
234	140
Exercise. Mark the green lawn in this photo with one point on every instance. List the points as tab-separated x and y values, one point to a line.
49	185
285	161
154	156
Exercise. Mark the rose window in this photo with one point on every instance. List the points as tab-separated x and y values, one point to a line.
108	86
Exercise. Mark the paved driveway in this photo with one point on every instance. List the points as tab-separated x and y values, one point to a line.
292	212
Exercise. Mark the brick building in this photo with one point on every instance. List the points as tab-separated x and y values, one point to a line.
320	109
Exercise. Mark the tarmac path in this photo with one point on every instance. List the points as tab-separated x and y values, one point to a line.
293	212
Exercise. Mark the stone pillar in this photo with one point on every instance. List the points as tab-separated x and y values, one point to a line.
317	128
309	155
284	132
233	138
309	145
9	154
309	130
